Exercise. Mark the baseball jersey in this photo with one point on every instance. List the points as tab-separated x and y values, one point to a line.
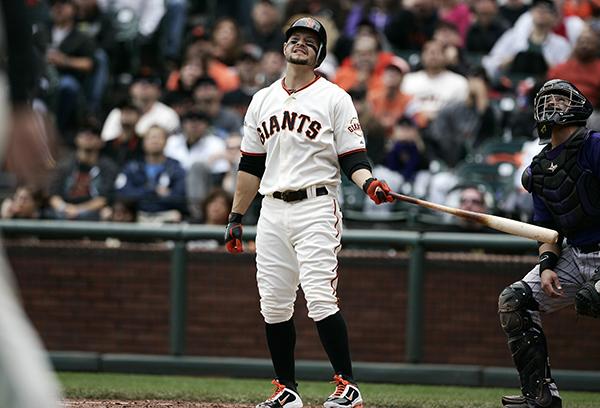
302	134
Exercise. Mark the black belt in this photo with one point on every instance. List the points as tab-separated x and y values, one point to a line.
586	249
298	195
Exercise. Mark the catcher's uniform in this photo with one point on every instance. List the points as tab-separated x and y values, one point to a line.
303	133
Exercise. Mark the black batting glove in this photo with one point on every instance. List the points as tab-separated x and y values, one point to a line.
233	234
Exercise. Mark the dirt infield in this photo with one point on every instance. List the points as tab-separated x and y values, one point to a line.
150	404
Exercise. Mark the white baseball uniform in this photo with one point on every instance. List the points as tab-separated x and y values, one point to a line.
303	134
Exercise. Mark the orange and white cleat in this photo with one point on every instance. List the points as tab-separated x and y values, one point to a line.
283	397
346	395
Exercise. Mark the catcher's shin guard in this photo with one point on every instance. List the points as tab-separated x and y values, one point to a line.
587	299
527	343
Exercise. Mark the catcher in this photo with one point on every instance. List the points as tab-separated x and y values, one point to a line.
564	181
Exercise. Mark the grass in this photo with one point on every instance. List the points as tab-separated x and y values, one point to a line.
131	387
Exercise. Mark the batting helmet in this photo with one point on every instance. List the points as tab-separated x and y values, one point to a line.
310	23
559	102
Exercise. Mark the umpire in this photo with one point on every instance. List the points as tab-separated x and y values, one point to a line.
564	181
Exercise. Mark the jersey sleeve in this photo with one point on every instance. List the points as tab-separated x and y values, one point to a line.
592	153
251	143
348	134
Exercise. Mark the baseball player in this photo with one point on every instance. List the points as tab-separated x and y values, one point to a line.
299	133
564	181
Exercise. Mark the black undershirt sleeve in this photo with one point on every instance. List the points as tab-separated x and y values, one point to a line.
356	160
253	164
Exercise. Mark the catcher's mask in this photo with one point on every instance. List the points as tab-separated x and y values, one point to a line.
310	23
559	102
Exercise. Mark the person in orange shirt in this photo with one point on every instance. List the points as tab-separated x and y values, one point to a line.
364	66
582	69
388	103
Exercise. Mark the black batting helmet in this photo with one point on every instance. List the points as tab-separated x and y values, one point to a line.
310	23
559	102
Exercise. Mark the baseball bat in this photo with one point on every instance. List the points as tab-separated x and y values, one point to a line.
507	225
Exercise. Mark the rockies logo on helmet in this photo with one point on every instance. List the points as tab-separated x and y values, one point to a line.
312	24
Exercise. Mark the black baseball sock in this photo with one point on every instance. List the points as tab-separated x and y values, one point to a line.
334	337
281	338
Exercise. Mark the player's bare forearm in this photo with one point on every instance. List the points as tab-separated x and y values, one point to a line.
245	191
360	176
554	248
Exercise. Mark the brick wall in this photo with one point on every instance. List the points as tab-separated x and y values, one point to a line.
85	296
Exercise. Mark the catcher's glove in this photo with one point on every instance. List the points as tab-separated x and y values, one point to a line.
587	299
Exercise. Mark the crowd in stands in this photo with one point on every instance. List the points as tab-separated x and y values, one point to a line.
147	99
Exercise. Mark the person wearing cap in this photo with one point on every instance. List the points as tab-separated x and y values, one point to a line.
145	92
530	50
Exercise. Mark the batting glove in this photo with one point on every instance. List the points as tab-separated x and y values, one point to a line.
377	190
233	234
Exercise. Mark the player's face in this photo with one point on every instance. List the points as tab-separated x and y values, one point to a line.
550	104
302	48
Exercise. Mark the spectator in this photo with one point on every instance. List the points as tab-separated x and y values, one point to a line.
434	86
511	10
568	27
155	184
388	103
272	65
374	133
183	80
135	23
226	41
82	184
127	145
472	198
265	30
197	144
582	69
120	211
199	52
71	53
364	66
248	70
216	207
487	27
406	154
457	13
413	25
232	155
454	53
25	203
207	98
145	93
533	52
462	126
376	12
172	31
98	26
468	197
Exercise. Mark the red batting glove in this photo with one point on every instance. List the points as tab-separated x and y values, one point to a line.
377	190
233	234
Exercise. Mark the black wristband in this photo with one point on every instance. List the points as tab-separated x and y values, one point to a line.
366	184
235	217
548	260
